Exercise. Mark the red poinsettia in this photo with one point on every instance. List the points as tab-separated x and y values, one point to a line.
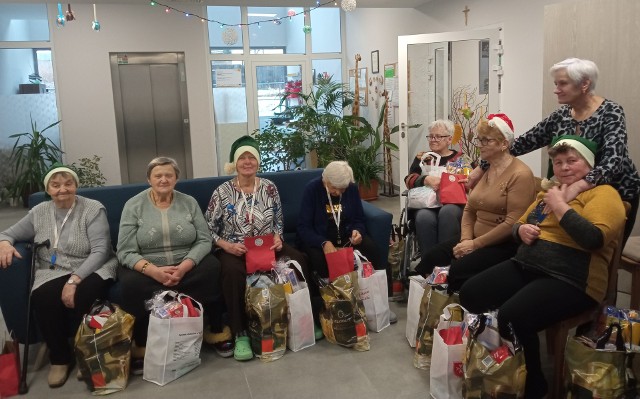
292	88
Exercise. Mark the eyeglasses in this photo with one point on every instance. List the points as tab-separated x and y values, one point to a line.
436	138
478	141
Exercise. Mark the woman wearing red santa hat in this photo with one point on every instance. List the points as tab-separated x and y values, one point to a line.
500	197
583	113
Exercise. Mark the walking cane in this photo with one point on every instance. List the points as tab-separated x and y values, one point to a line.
23	374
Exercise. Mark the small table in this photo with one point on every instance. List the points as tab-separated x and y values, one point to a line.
630	262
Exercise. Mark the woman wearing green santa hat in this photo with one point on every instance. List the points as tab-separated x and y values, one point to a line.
76	267
244	206
561	266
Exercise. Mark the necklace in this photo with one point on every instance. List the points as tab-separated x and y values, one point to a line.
246	203
336	216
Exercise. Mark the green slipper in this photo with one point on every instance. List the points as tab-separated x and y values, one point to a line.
317	331
243	351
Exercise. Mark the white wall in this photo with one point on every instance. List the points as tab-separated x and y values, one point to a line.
83	77
522	22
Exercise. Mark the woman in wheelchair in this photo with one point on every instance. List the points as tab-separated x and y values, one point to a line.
561	267
435	225
494	205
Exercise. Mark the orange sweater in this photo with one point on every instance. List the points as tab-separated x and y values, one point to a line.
492	209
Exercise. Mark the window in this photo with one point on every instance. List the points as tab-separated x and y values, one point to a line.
283	33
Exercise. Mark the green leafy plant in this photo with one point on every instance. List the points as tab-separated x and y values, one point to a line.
31	156
88	171
281	148
320	116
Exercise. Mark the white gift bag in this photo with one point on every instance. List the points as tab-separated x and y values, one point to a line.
374	295
433	168
416	290
301	329
446	371
173	345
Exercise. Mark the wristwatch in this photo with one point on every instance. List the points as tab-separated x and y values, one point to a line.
71	281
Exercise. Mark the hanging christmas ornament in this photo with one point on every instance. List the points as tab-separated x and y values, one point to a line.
95	25
291	13
69	16
306	29
230	36
60	18
348	5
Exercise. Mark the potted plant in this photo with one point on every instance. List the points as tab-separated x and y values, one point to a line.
318	117
281	148
88	171
31	156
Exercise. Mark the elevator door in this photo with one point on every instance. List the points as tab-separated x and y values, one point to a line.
151	112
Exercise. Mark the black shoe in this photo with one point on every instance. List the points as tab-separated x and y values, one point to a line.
137	366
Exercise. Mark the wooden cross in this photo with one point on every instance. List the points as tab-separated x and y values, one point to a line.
466	14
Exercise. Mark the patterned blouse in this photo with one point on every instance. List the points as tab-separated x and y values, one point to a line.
229	211
607	128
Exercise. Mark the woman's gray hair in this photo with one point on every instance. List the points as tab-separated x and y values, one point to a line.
444	123
161	161
578	71
339	174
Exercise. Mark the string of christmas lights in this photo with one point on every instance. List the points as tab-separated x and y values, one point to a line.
350	6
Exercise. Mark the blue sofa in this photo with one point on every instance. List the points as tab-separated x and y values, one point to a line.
14	280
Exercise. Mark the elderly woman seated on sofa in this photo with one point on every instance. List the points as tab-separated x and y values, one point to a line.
164	243
73	271
244	206
331	217
561	267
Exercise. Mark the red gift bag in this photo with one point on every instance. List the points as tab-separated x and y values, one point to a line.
260	257
9	368
451	190
340	262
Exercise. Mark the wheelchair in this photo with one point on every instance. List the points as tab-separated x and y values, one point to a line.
411	252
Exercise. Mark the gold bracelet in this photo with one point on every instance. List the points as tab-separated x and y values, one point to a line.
144	267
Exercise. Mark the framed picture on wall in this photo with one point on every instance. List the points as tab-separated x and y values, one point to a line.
375	61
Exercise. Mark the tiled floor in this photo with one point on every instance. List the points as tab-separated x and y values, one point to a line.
324	370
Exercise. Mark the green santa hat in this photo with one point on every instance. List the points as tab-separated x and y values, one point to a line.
239	147
585	147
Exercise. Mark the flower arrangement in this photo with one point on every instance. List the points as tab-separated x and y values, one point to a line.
293	88
467	109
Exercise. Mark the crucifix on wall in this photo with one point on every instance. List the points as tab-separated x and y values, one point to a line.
466	14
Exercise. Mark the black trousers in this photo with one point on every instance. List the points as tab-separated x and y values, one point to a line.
233	277
56	321
527	299
631	217
202	283
469	265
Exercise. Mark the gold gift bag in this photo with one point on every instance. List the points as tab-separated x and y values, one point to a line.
268	319
343	319
103	347
590	370
433	303
497	373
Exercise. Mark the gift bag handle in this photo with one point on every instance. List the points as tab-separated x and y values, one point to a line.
435	158
99	304
357	257
293	264
604	338
193	301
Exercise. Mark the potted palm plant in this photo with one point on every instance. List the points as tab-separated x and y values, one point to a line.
31	156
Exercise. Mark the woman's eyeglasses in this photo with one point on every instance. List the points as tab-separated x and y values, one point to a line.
436	138
482	141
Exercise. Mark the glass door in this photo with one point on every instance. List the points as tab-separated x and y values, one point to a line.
272	81
432	68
